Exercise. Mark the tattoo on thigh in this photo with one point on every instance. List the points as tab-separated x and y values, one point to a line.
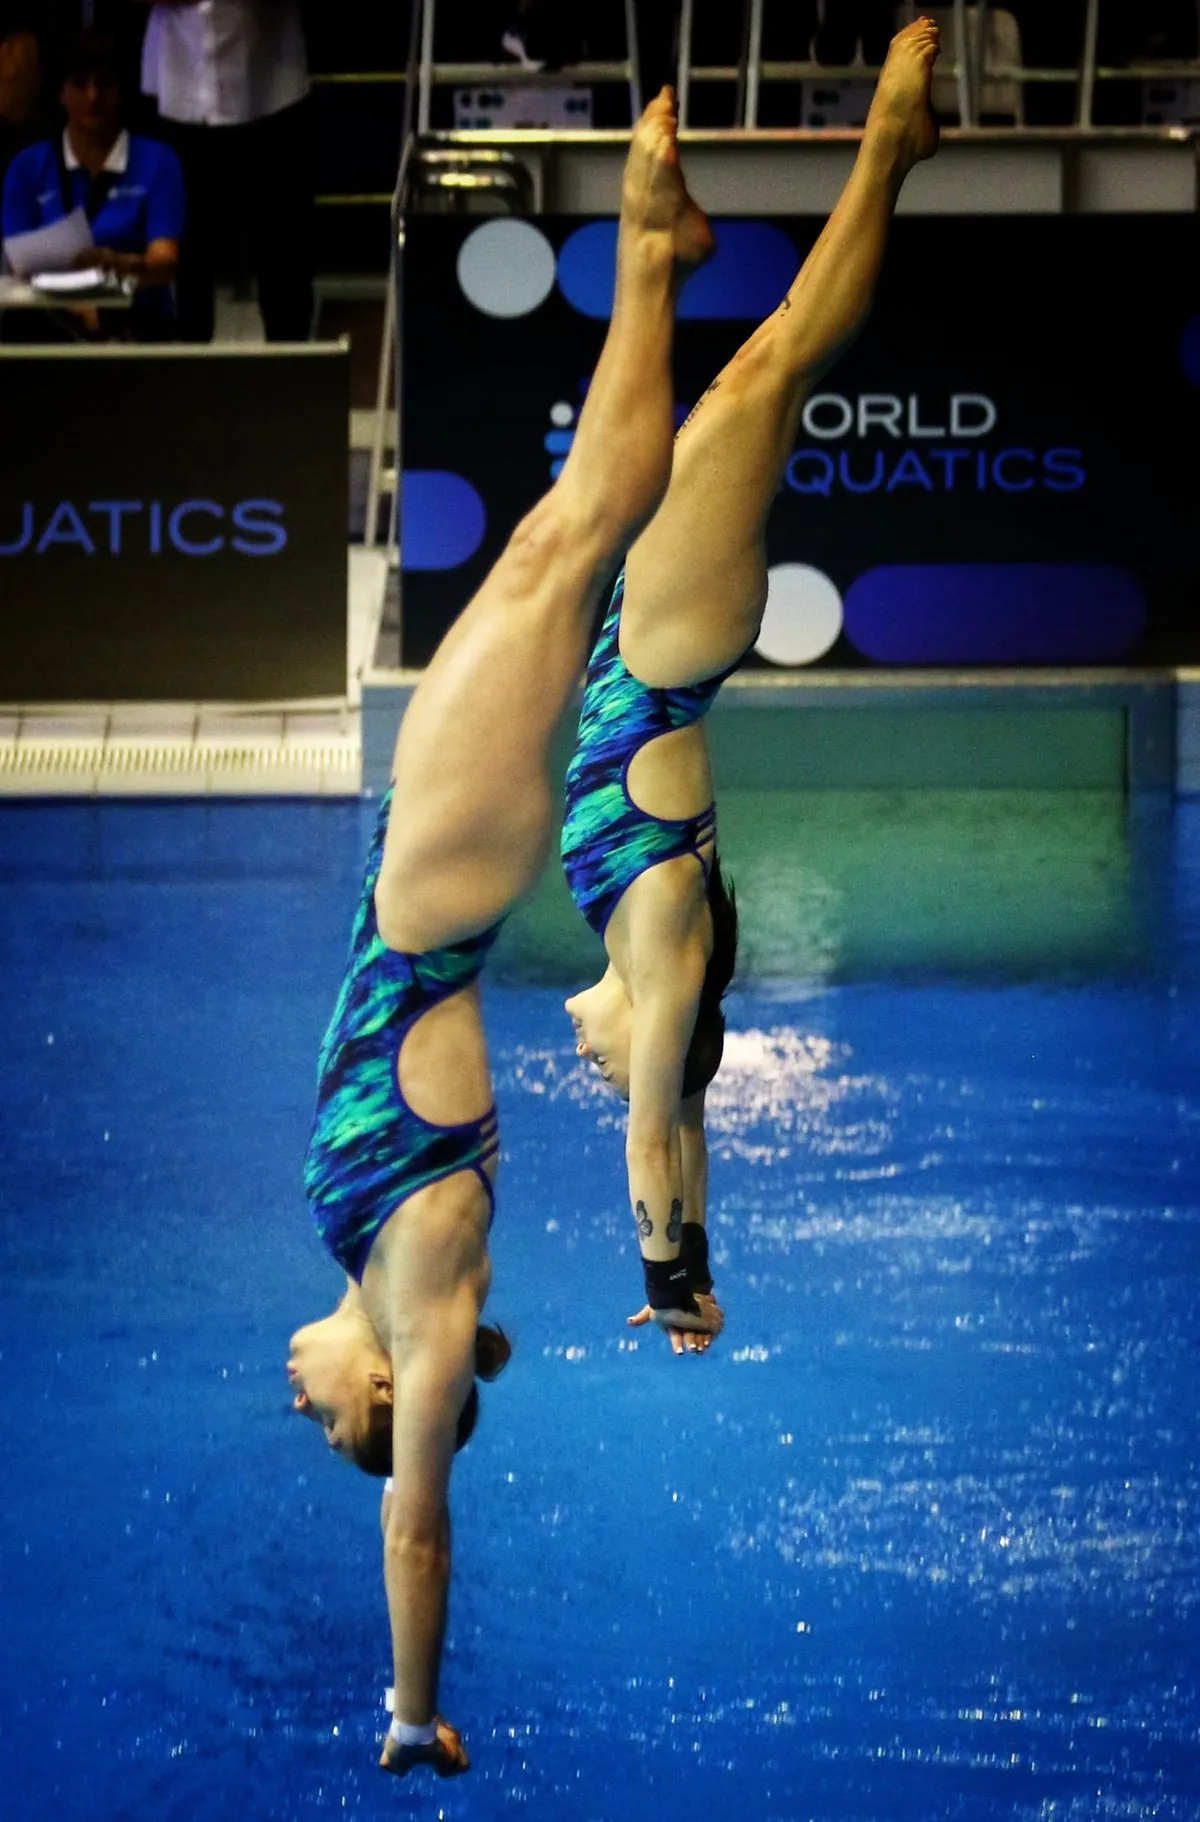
645	1225
675	1222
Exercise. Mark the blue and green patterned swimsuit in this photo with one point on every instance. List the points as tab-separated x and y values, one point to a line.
607	842
369	1151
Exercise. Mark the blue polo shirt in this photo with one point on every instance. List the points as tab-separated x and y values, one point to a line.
144	201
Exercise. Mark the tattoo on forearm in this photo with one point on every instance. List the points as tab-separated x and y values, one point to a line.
645	1221
785	306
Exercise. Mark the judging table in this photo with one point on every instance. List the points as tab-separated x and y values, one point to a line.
19	294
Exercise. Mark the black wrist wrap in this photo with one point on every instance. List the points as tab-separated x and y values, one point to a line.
667	1285
693	1250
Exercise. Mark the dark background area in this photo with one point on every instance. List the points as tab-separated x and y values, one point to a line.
172	428
358	126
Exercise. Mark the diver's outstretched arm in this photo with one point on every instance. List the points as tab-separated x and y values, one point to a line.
693	1161
434	1368
663	1018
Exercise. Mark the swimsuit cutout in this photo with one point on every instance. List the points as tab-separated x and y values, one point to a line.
607	841
369	1150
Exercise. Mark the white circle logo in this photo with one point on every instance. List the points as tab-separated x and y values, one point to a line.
506	268
803	615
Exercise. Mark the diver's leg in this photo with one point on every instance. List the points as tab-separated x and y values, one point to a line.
696	578
473	807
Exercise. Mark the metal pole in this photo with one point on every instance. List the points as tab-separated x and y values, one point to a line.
389	348
409	156
754	63
425	9
635	63
1087	68
979	59
408	146
387	360
962	58
394	517
683	74
739	93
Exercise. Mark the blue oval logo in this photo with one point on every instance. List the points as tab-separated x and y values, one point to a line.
745	280
995	613
443	519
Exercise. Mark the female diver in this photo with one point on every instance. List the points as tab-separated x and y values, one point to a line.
403	1153
639	839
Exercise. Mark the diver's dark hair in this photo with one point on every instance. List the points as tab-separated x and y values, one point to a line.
493	1350
708	1037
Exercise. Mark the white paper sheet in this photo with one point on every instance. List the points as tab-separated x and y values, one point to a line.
69	284
51	249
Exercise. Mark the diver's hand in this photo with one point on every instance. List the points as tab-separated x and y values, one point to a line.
687	1333
446	1754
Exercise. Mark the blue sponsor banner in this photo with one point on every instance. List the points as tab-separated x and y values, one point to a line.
173	524
977	482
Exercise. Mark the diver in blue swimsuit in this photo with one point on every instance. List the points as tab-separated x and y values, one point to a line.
608	841
639	843
369	1150
403	1152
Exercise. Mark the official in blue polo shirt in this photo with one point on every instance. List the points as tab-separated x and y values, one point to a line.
130	188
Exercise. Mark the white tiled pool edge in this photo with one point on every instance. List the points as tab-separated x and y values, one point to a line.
181	750
203	749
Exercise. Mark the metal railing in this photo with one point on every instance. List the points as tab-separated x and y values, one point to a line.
968	65
387	385
434	74
420	171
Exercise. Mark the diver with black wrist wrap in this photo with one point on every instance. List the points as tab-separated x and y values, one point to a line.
675	1267
640	844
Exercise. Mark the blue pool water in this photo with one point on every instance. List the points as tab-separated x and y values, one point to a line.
917	1540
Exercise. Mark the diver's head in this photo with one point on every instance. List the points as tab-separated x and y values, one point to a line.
602	1019
602	1015
342	1379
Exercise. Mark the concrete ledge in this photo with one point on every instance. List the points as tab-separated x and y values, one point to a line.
385	696
795	171
1187	767
1124	736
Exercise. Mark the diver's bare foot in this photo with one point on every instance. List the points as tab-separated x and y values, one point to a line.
446	1754
901	113
654	197
694	240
